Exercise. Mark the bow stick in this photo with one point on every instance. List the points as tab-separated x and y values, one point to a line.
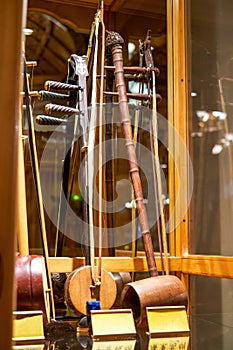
80	70
35	169
150	63
73	89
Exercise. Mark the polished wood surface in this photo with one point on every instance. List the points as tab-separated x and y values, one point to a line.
22	232
113	264
32	287
80	288
216	266
166	290
11	15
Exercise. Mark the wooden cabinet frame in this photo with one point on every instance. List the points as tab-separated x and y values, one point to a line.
180	260
12	23
217	266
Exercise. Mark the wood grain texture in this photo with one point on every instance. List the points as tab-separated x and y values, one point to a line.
79	289
216	266
11	14
113	264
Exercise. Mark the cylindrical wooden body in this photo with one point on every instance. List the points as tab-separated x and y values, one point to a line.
31	284
153	291
121	279
79	289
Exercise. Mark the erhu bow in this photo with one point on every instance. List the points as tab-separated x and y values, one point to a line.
36	176
79	64
155	155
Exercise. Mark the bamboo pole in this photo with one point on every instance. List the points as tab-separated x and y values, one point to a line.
115	42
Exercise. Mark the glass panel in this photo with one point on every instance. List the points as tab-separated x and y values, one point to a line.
212	313
119	216
211	125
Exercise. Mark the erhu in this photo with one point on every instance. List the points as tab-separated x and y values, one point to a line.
155	290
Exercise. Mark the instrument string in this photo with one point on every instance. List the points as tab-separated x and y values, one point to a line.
157	166
91	143
135	138
100	236
157	178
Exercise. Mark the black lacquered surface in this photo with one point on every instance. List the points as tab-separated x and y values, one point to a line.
206	333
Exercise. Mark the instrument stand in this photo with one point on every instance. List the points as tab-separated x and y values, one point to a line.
113	324
167	320
28	328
